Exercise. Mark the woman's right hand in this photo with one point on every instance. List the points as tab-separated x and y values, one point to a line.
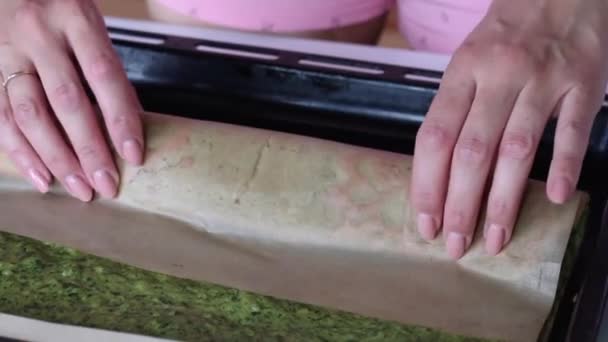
525	63
48	126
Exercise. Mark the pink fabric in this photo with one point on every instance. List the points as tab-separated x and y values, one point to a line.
429	25
281	15
439	25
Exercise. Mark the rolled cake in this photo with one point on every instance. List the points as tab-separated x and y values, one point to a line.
305	220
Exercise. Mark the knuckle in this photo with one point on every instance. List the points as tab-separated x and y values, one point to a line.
517	145
434	136
579	73
82	15
466	51
72	8
582	76
67	95
575	127
120	122
426	199
498	208
71	3
57	162
515	56
472	150
567	163
28	11
507	50
455	218
26	112
586	67
588	97
123	123
585	90
78	23
29	16
102	66
536	108
87	151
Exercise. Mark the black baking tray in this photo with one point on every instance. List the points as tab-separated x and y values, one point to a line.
367	104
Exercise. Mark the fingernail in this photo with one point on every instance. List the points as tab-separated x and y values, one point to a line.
456	245
78	188
495	239
427	227
39	181
131	150
561	190
105	183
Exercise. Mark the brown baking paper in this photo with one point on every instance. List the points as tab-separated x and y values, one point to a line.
302	219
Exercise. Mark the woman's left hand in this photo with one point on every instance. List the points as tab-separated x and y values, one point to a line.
49	51
526	61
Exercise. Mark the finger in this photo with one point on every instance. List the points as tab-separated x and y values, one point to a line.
433	149
74	111
108	81
31	115
517	150
19	150
472	159
575	120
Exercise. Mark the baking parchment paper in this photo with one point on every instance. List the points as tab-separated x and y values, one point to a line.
302	219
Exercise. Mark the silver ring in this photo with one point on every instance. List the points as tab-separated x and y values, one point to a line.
15	75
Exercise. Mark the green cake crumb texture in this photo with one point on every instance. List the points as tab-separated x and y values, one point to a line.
57	284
